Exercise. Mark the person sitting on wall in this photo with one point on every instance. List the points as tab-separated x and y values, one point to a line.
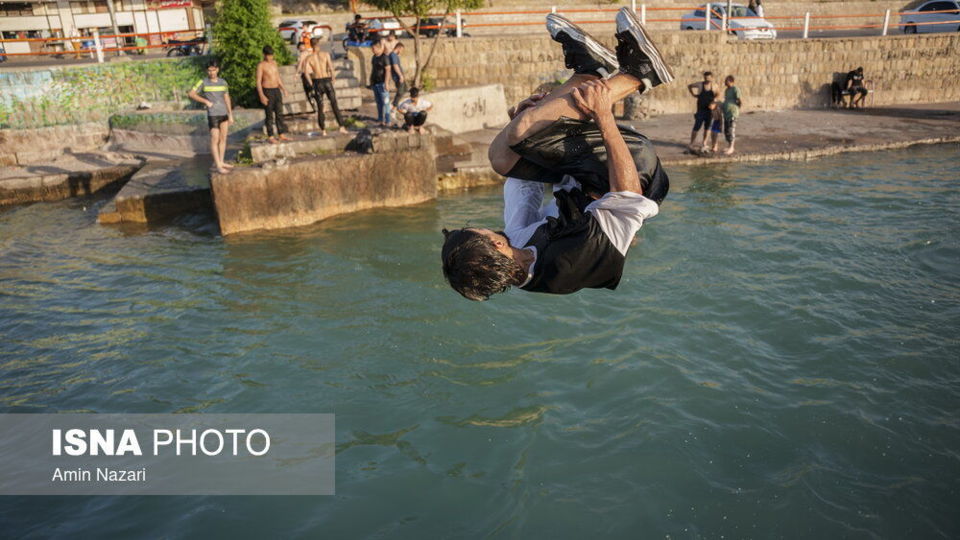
855	89
357	31
607	178
414	111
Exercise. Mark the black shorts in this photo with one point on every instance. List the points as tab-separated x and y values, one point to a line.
701	119
575	148
215	121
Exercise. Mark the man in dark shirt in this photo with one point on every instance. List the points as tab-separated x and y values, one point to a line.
607	178
855	89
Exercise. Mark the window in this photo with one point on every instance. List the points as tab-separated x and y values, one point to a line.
699	13
15	9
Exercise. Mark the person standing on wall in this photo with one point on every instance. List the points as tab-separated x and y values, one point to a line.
380	65
214	93
731	111
705	93
319	69
302	56
396	72
271	92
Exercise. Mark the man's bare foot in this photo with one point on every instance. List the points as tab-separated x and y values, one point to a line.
728	151
272	140
284	138
323	133
410	129
343	130
222	170
227	166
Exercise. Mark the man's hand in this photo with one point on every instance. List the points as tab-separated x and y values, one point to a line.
525	104
263	100
593	98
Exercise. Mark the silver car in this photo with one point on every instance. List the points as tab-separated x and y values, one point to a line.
931	16
744	23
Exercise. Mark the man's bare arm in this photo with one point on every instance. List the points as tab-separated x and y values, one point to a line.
263	98
593	98
693	86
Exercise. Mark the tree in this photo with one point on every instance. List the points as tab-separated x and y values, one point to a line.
419	10
243	27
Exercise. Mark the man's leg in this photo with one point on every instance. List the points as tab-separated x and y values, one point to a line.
318	96
558	103
332	95
224	133
268	117
281	123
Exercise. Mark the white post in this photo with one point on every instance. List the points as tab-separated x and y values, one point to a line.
633	6
886	22
643	14
553	9
98	45
724	23
459	24
706	18
806	25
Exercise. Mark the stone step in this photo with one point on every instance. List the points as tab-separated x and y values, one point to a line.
307	123
300	107
161	191
303	145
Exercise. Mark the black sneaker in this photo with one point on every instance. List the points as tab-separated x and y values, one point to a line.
637	55
581	52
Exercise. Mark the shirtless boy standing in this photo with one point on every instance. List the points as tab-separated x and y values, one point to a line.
271	91
319	69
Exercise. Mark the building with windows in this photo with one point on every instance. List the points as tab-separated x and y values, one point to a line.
66	18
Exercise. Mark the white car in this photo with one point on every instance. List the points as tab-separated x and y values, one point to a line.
743	22
291	29
925	17
382	26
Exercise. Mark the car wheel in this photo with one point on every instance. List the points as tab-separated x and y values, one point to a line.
910	29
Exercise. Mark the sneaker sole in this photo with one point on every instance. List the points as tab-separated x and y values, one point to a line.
580	35
646	45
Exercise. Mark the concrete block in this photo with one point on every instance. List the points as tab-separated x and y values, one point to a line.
312	189
468	108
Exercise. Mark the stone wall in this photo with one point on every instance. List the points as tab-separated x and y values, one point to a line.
305	191
32	98
23	146
772	75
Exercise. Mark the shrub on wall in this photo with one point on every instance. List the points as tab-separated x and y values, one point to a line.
85	94
243	27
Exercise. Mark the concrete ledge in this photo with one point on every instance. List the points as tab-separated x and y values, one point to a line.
309	190
468	108
24	146
57	186
302	145
160	192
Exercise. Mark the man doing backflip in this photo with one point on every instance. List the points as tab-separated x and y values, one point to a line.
607	178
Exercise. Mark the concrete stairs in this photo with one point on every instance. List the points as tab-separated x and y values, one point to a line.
348	88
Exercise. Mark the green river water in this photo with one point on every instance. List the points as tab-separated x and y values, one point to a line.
781	360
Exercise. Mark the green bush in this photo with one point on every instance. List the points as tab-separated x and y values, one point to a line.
243	27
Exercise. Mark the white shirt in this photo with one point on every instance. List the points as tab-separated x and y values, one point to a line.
619	214
408	105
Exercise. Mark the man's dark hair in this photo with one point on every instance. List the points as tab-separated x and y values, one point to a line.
414	92
473	266
707	74
397	46
357	17
731	78
267	49
213	63
860	69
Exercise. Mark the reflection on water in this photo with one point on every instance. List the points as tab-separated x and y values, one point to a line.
779	360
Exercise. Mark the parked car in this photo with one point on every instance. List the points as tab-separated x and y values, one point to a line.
930	16
291	29
382	26
743	23
441	22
